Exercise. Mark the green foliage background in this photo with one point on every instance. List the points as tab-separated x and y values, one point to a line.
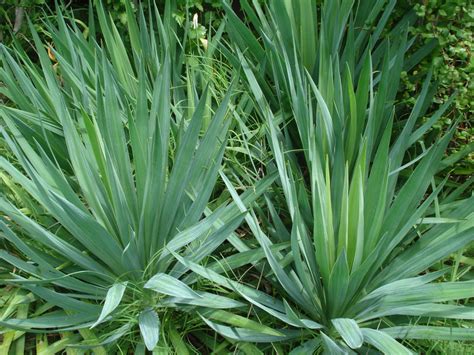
450	22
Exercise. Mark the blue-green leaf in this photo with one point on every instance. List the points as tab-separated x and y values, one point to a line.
170	286
149	324
112	300
384	342
350	331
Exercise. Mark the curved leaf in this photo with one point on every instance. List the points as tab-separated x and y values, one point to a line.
149	325
168	285
384	342
349	331
112	300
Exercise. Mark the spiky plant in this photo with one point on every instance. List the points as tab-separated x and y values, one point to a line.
122	154
362	219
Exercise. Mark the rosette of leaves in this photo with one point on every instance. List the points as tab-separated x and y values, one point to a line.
364	223
107	147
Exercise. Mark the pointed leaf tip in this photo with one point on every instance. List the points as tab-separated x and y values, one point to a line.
170	286
350	332
112	300
149	324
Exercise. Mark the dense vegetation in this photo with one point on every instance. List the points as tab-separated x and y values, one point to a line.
261	177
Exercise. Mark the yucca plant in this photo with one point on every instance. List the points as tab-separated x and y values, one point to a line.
114	148
363	222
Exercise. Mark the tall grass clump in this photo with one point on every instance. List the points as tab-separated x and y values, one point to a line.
364	220
262	191
119	154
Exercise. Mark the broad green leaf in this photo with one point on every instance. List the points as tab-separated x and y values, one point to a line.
433	292
239	321
149	325
112	300
58	320
383	342
427	310
205	299
242	334
430	332
401	285
338	284
168	285
349	331
330	346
